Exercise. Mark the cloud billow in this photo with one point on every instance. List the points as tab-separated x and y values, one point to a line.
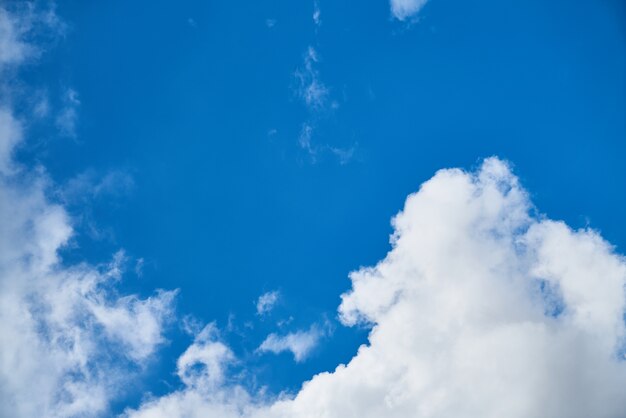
69	342
68	339
462	318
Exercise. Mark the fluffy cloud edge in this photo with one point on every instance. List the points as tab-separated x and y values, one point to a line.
70	340
463	318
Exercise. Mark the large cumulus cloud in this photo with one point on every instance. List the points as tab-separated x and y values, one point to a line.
481	309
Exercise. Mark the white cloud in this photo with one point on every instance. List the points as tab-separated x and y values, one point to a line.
88	185
13	50
203	369
344	155
403	9
20	21
310	88
81	192
41	106
67	119
480	309
139	266
316	96
10	137
317	14
299	343
68	339
265	303
212	357
464	319
304	140
70	342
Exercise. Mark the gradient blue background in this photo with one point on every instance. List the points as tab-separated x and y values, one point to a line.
224	211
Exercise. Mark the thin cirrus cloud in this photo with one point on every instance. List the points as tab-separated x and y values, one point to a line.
463	319
310	88
67	119
317	14
90	185
10	136
12	49
316	96
17	24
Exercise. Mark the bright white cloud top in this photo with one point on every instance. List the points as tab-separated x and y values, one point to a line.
481	309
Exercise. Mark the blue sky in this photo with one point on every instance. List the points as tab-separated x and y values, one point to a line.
232	149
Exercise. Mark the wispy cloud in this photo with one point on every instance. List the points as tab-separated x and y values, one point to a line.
81	193
317	14
305	140
13	50
10	136
90	185
19	22
316	96
67	119
265	303
41	105
404	9
69	338
344	155
299	343
311	89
